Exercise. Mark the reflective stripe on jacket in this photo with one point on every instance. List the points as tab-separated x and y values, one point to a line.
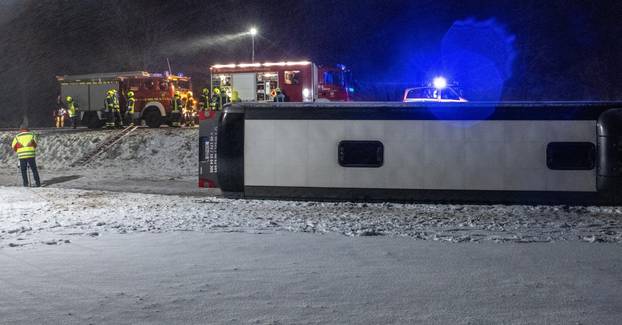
109	103
115	100
72	109
177	104
130	105
25	144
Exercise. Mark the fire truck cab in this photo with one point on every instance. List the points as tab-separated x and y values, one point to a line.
153	93
300	81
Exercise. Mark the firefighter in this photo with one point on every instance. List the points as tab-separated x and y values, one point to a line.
71	109
216	102
189	110
25	145
280	97
178	104
235	96
59	117
131	102
110	108
117	109
204	100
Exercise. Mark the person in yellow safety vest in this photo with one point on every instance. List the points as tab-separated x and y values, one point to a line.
59	117
25	145
204	100
71	108
189	110
217	100
117	109
131	103
280	97
235	96
110	108
178	104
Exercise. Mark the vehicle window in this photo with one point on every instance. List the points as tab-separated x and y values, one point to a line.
361	153
420	93
333	78
432	93
449	93
292	77
163	85
134	84
149	84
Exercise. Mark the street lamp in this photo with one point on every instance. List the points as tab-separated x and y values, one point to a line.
253	32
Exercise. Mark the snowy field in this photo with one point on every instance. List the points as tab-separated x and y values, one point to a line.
290	278
130	239
56	216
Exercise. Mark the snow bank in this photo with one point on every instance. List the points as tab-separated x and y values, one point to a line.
49	215
170	152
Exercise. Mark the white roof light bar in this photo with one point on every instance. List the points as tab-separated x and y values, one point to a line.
220	66
249	65
257	65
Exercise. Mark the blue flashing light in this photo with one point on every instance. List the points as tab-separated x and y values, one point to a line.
180	74
439	83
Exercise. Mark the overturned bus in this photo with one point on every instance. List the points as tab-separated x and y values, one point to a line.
518	153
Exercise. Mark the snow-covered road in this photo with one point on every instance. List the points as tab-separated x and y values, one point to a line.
293	278
53	216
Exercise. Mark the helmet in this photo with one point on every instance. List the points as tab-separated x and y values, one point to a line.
69	99
111	92
189	94
177	93
130	94
216	91
205	90
278	90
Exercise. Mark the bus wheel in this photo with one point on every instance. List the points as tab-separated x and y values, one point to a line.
152	118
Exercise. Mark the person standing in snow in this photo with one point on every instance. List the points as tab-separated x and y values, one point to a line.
110	108
25	145
71	109
178	104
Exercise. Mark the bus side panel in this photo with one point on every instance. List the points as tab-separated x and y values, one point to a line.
418	154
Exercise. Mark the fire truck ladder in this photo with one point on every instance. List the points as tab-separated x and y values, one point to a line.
103	146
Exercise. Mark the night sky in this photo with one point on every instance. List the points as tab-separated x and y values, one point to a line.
546	50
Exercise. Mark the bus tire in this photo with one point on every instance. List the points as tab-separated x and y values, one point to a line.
152	118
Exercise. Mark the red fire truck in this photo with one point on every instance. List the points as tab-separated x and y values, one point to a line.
153	93
300	81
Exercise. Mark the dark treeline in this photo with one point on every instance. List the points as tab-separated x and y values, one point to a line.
565	50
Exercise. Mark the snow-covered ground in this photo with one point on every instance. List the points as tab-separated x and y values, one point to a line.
290	278
56	216
164	161
130	239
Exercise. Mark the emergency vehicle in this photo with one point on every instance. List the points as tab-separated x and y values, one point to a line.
153	93
300	81
438	91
